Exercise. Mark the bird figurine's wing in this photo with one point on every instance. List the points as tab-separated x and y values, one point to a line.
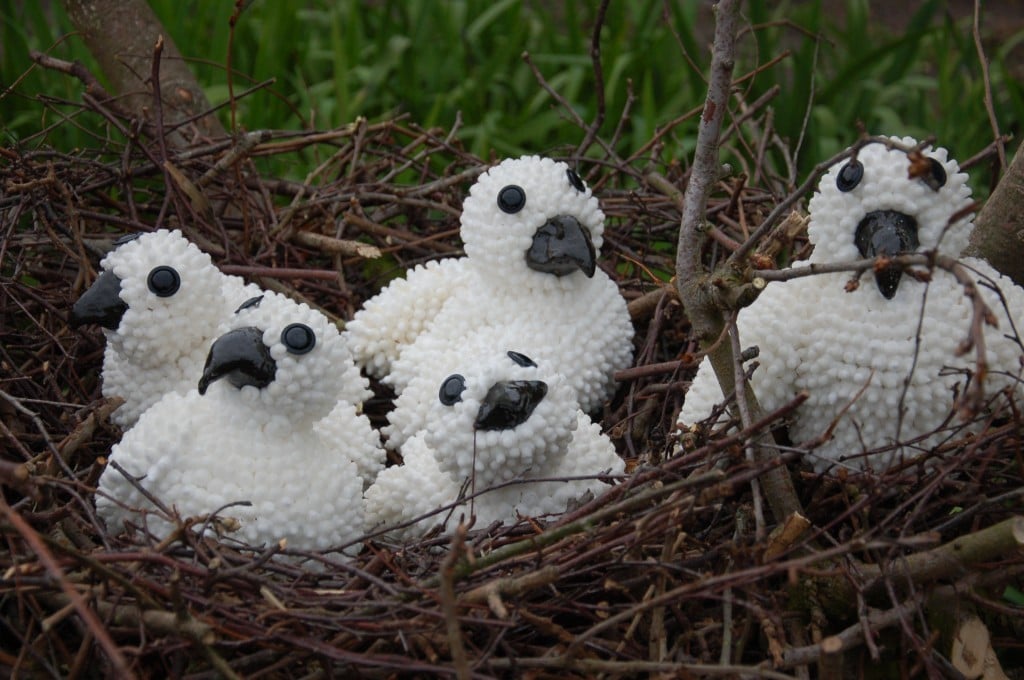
398	314
403	493
350	433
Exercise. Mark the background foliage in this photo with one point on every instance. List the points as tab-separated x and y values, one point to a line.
333	61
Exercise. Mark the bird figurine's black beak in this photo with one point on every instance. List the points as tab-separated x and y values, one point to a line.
241	356
889	233
561	246
509	403
101	303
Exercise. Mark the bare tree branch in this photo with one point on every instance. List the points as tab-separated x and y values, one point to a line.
702	296
121	35
998	235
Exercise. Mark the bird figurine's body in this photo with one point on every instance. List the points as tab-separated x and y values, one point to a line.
532	231
493	433
246	434
879	359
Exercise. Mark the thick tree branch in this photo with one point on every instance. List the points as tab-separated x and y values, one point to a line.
702	297
705	169
838	594
998	234
121	34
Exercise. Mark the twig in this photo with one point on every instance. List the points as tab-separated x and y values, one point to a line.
75	598
575	117
555	534
129	614
336	246
595	59
492	591
161	134
989	107
280	272
641	499
743	407
75	69
58	459
448	607
705	169
812	86
945	561
84	431
239	150
644	306
595	667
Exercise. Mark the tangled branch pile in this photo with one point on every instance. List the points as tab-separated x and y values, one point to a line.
662	574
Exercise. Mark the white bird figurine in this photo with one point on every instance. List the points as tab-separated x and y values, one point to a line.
247	434
880	360
496	429
161	302
532	232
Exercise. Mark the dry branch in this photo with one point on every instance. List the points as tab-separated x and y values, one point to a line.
705	306
838	594
998	234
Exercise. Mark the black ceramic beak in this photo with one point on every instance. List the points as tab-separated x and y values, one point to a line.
561	246
509	404
100	304
890	233
241	356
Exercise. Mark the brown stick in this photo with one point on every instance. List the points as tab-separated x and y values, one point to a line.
448	604
336	246
88	616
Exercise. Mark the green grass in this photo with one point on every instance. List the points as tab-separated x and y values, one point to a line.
334	61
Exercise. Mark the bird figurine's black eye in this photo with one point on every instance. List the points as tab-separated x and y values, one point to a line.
452	389
298	338
935	177
575	180
511	199
126	238
522	359
850	176
251	303
163	281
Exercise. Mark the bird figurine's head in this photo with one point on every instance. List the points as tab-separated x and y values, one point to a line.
153	297
499	420
279	359
886	201
532	221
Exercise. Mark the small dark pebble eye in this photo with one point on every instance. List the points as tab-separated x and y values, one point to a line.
936	175
452	389
575	180
163	281
511	199
298	338
850	176
251	303
126	238
521	359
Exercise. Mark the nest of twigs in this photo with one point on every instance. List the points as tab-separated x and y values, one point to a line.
663	574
